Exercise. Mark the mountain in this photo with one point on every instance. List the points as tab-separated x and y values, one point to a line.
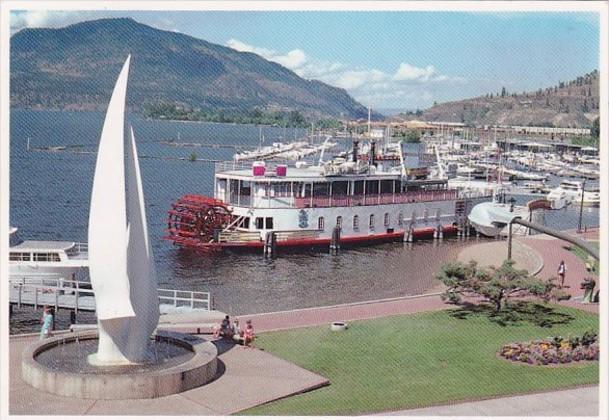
568	104
75	67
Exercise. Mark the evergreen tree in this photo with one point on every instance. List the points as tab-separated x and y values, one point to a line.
596	128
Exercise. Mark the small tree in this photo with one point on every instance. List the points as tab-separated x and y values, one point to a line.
495	284
413	136
596	129
192	157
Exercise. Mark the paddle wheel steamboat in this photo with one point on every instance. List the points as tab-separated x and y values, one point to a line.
359	198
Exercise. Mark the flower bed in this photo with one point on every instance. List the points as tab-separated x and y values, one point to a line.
554	350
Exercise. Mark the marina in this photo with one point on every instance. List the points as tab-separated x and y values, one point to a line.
305	274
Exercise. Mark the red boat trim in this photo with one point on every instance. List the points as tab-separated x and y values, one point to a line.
422	233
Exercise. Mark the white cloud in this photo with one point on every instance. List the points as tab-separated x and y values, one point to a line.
407	86
242	46
292	60
409	72
42	18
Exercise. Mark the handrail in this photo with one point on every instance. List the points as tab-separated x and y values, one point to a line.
176	298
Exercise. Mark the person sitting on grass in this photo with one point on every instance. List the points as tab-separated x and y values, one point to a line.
248	335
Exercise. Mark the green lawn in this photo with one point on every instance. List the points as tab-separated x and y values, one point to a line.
583	255
415	360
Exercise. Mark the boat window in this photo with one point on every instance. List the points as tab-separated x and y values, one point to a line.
340	188
321	189
245	223
320	223
233	191
281	189
358	187
19	256
356	222
387	186
246	188
372	221
339	221
386	219
46	256
372	187
400	219
302	189
269	223
259	223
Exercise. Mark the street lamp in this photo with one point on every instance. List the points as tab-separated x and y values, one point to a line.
581	207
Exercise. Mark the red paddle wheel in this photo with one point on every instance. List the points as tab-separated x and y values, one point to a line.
194	221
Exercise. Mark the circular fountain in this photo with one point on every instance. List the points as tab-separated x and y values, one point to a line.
58	365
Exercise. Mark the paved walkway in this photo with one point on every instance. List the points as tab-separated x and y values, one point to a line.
569	402
248	377
553	251
494	253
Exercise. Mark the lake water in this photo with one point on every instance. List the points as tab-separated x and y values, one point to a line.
50	195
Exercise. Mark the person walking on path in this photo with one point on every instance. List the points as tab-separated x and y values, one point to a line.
562	270
47	323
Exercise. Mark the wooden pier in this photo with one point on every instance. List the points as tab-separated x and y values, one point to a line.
79	296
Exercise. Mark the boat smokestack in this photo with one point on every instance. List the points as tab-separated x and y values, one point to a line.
373	153
355	150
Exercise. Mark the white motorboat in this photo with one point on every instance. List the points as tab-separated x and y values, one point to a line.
573	191
45	259
558	198
492	218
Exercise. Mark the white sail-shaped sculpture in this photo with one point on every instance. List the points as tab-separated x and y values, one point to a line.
120	259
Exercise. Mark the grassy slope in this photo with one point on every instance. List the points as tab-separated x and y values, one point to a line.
417	360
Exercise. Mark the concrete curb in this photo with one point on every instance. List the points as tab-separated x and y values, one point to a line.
345	305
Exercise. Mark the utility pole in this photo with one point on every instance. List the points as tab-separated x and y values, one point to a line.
581	207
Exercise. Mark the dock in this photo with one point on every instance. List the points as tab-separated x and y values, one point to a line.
79	296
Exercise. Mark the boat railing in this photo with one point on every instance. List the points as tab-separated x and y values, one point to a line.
185	298
476	193
80	251
238	236
375	199
231	165
284	235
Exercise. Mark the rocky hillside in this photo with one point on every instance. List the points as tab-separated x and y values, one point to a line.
568	104
75	68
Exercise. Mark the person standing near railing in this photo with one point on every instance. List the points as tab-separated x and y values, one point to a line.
47	323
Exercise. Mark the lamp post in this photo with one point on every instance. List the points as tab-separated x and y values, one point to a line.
581	207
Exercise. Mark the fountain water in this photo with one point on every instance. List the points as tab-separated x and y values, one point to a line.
129	362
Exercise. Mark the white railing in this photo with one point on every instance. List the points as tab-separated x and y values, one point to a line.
80	251
62	293
185	298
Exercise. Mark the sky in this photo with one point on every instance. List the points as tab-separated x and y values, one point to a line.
390	60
